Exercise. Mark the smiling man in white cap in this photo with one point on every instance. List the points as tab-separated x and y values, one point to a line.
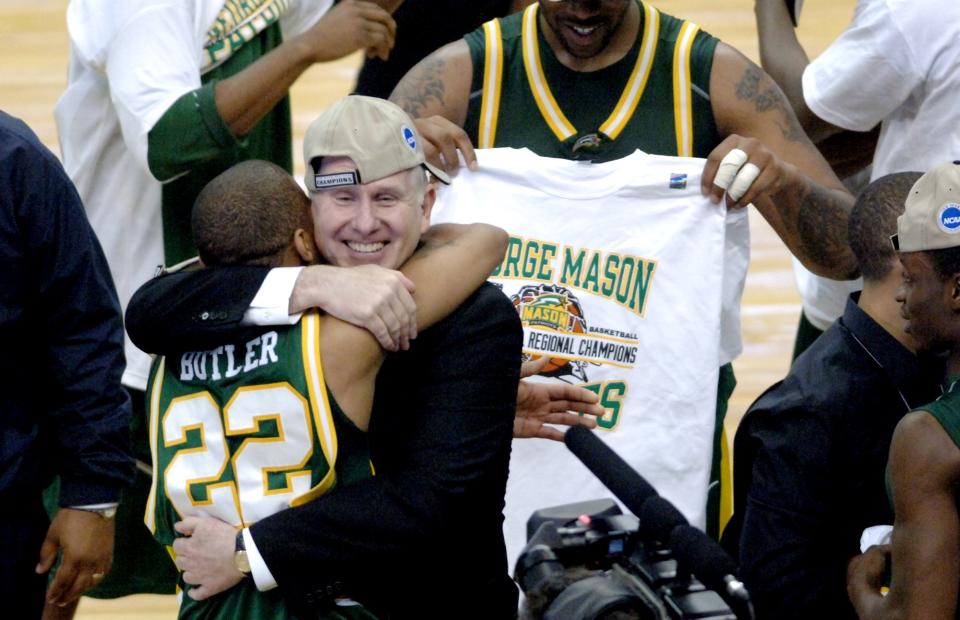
924	465
367	182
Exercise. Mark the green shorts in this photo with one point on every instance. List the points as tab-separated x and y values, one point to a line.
726	382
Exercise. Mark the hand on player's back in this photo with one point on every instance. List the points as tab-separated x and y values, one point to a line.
205	555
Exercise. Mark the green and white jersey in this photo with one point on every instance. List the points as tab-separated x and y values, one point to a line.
241	432
655	99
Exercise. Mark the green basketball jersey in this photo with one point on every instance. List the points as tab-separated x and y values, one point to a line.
946	410
241	432
655	99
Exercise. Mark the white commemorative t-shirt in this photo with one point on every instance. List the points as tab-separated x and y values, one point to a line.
625	276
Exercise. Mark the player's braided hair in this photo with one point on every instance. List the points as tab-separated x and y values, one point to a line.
248	214
874	219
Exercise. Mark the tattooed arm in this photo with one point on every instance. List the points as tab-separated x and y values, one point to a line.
435	94
796	191
439	84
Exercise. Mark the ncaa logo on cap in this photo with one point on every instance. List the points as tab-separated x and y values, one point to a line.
409	137
948	218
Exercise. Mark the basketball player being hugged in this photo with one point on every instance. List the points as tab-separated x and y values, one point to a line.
277	417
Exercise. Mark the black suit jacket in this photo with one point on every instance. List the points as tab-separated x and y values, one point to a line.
424	537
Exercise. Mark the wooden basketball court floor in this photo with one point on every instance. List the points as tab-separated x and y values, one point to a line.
33	69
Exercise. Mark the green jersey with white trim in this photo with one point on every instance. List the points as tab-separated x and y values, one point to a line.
656	98
241	432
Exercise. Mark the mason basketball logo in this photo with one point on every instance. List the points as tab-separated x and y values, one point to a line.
555	309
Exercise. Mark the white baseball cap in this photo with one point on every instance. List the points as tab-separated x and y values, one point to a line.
376	134
931	219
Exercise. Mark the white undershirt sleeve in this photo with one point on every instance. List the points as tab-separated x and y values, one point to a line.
270	306
262	576
100	506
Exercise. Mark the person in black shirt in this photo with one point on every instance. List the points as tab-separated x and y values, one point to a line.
810	454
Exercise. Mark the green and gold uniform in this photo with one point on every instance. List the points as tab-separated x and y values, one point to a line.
243	33
241	432
656	99
946	410
141	134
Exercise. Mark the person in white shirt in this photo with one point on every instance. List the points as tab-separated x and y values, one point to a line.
896	67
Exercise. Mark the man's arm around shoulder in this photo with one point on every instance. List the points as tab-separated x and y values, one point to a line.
192	310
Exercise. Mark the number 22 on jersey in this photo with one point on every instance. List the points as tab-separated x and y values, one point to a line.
241	463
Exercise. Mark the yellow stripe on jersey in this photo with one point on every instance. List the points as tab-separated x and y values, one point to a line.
637	83
323	418
239	22
492	76
726	482
682	92
149	515
554	117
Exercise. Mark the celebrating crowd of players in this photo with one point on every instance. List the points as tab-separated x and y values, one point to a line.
262	424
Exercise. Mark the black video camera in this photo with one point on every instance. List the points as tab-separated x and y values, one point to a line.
588	561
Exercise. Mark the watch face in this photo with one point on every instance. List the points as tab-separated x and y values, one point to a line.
242	562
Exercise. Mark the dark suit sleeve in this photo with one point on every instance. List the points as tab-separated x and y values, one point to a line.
791	555
192	310
440	435
63	406
88	408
